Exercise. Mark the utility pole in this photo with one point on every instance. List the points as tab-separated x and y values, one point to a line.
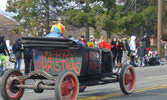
159	27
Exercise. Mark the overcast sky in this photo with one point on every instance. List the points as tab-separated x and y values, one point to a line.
3	5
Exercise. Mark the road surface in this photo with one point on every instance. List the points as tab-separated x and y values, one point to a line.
151	84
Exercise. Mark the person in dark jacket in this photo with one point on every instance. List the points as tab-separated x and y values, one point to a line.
17	50
127	50
114	45
141	51
3	47
28	60
146	41
120	52
3	51
6	52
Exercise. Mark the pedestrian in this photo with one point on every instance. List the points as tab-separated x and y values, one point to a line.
132	46
28	60
120	52
141	51
76	40
3	52
17	50
114	45
127	50
165	48
144	41
104	44
95	43
91	42
82	39
6	52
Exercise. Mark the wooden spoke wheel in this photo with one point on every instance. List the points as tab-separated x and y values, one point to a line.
7	85
67	86
127	79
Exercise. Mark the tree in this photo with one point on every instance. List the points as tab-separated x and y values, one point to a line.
34	16
113	18
145	17
84	16
108	15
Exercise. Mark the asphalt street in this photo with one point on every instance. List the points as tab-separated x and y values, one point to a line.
151	84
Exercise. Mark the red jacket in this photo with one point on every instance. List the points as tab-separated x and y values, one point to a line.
83	41
105	45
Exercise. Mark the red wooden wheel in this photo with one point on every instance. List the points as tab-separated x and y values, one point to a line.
127	79
8	89
67	86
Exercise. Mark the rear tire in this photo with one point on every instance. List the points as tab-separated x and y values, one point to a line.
127	79
7	88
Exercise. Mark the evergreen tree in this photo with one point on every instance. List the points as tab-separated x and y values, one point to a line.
34	16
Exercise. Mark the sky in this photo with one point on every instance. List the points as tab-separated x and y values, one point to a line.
3	5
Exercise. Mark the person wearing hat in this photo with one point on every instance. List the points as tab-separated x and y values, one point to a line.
91	43
83	40
141	51
17	50
132	46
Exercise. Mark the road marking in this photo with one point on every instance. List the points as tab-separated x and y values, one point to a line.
120	94
159	76
157	93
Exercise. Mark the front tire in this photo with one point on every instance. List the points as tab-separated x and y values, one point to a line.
67	86
127	79
7	85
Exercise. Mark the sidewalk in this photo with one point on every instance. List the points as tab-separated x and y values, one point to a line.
22	65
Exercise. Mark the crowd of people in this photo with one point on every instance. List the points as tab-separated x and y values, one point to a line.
138	52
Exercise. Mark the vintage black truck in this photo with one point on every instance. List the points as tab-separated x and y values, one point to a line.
69	68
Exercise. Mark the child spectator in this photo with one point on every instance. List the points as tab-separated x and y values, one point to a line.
141	51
